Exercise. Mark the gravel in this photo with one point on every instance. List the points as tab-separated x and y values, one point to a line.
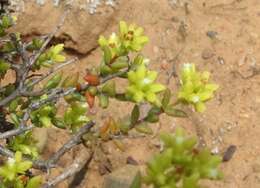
89	5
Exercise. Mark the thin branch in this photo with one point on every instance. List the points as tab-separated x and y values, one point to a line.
173	69
9	98
53	70
79	163
51	162
6	152
38	164
15	132
112	76
75	140
22	73
56	94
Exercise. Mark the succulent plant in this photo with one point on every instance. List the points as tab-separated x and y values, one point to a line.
181	164
13	173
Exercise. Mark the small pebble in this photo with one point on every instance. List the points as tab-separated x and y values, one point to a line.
221	60
215	150
130	160
229	153
212	34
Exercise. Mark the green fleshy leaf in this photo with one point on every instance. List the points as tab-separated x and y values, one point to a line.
23	166
135	114
46	121
191	181
102	41
166	98
71	80
137	182
57	49
157	88
123	27
59	58
107	54
144	128
109	88
3	68
34	182
200	107
172	111
54	81
103	101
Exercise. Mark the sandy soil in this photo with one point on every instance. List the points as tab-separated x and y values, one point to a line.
232	118
221	36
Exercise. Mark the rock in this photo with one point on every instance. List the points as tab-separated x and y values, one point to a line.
41	136
207	54
121	178
79	33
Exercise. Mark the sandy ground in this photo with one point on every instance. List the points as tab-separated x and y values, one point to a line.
233	117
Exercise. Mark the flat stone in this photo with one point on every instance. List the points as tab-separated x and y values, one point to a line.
41	137
79	33
121	178
130	160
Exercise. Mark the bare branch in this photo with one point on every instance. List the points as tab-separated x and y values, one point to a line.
15	132
9	98
22	73
173	69
112	76
75	140
80	162
53	70
51	163
55	95
6	152
38	164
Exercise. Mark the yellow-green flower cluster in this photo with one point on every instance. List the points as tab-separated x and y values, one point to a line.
142	87
195	88
130	38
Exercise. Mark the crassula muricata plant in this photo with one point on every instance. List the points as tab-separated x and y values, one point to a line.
181	164
32	100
